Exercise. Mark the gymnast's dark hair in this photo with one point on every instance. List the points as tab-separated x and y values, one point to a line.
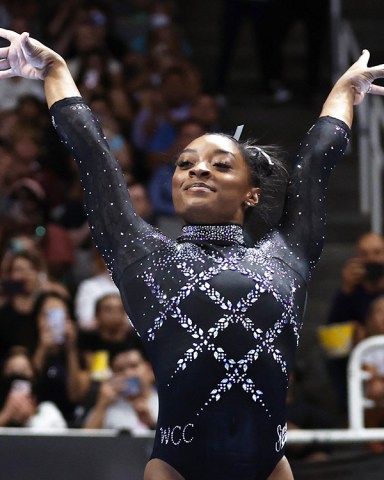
268	171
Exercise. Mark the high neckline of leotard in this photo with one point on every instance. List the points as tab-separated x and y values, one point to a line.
221	234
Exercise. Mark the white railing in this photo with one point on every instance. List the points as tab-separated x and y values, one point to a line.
345	50
357	402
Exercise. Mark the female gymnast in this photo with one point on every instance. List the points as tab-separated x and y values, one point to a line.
220	319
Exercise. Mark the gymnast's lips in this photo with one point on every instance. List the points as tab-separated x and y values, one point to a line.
199	186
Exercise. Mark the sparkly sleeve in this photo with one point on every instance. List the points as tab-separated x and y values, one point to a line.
303	218
120	235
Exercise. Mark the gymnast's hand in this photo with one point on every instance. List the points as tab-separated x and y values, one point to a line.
361	78
351	88
25	57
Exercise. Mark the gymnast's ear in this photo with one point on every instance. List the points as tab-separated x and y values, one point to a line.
253	197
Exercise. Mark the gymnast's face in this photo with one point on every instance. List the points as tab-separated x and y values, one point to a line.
212	182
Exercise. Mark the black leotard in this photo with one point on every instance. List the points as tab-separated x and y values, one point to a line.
220	320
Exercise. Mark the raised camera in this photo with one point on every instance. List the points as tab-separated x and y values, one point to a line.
374	271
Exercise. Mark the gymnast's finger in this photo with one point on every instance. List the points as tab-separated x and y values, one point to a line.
364	58
6	73
376	90
4	52
8	34
4	64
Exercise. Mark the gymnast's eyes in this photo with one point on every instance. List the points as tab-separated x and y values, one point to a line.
183	163
222	165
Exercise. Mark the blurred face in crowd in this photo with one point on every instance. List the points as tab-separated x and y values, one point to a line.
205	110
375	321
5	163
87	37
188	132
18	365
140	200
24	271
173	89
370	248
110	314
26	144
131	364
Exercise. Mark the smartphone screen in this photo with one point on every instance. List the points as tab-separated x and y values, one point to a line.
56	321
132	387
21	386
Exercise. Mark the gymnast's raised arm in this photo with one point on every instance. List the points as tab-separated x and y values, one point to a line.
116	229
303	220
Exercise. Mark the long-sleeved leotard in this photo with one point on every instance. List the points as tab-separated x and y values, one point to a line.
220	320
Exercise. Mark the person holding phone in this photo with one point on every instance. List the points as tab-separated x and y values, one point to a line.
63	377
362	281
19	404
128	399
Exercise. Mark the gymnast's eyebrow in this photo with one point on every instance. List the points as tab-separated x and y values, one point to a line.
215	152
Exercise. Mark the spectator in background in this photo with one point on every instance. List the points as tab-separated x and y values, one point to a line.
127	400
91	32
5	171
154	127
140	198
94	79
90	290
362	281
19	400
131	21
113	332
30	122
28	215
99	283
29	160
165	37
205	110
27	209
23	277
63	378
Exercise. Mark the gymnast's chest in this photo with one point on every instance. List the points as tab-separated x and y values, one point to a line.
200	290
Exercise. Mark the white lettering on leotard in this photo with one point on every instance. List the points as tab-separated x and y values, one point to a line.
282	437
176	435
